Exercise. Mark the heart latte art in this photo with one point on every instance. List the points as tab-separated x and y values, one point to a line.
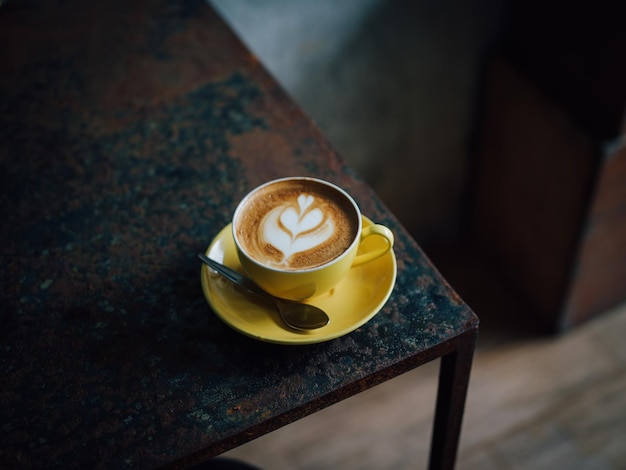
296	225
292	228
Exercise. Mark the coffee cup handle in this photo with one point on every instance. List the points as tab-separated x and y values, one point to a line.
374	230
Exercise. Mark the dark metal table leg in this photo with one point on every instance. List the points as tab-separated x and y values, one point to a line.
454	374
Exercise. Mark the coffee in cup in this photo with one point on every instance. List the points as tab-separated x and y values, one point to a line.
296	224
297	237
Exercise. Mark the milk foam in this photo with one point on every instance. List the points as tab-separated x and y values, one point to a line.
296	226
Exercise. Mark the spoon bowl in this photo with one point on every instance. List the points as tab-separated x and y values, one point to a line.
296	315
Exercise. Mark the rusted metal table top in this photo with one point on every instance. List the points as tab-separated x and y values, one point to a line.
128	133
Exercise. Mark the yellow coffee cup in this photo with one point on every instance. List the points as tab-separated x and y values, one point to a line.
297	237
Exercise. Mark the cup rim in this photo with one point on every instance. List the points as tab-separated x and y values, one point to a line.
335	187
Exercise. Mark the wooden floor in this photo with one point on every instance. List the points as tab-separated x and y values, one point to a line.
535	402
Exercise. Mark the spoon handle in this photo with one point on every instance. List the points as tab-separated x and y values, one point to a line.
234	276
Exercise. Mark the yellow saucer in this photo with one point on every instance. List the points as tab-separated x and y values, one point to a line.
350	304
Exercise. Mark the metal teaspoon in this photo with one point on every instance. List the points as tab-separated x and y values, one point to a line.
296	315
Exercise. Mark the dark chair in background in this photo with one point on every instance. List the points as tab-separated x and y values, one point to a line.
550	182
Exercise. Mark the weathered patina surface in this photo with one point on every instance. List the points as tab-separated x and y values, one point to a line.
128	132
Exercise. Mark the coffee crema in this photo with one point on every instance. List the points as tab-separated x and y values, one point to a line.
296	224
